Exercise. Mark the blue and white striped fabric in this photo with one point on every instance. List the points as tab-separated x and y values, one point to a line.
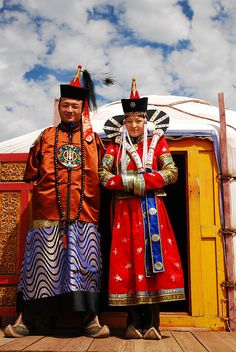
49	269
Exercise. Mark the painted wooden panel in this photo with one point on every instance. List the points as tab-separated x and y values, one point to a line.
13	227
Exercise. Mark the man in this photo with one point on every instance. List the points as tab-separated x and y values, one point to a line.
62	266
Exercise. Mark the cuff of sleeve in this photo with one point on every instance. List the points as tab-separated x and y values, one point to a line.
115	183
139	185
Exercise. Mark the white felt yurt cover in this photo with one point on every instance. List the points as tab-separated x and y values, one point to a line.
188	117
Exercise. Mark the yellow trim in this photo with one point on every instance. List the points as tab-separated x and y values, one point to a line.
37	224
185	322
208	308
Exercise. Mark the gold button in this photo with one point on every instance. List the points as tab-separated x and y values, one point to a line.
158	265
152	211
155	237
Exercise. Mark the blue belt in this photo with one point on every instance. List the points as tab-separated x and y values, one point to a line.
153	248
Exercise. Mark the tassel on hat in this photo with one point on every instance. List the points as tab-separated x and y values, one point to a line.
134	92
135	95
134	103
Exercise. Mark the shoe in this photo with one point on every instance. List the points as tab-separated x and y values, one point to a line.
133	333
16	330
152	334
96	331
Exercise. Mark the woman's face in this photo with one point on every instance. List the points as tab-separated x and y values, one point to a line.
134	125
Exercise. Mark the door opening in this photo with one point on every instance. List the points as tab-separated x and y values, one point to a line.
176	205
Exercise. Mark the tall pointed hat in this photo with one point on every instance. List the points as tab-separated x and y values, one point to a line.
134	104
82	91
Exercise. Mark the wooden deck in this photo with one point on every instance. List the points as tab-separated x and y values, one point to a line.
172	341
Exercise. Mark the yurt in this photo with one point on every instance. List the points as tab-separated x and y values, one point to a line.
201	207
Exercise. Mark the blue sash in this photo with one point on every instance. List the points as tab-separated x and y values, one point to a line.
153	248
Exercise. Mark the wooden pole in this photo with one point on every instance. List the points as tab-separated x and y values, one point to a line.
227	218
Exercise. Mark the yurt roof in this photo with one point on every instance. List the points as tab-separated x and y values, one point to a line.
188	117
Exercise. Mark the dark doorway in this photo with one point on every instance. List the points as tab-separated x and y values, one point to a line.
176	205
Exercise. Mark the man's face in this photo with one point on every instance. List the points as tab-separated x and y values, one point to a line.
70	110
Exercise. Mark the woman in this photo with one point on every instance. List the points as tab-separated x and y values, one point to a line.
145	267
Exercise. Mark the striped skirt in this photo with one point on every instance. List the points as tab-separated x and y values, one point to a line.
55	268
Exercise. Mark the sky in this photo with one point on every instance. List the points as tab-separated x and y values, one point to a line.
183	48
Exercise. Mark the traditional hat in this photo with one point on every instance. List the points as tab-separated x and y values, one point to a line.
76	90
84	92
73	92
135	105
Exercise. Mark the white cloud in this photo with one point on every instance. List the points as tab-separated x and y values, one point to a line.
157	21
208	67
60	34
88	48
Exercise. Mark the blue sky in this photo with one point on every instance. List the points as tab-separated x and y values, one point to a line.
182	48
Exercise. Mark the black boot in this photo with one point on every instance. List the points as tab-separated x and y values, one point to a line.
151	319
134	323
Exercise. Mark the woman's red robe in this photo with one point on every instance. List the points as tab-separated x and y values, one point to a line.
130	280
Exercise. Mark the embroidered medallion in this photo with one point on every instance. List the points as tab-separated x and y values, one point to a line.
69	155
132	104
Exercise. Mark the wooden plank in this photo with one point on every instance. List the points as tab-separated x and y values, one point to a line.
209	276
188	342
79	344
166	344
174	341
4	341
115	344
196	286
212	341
220	260
49	343
123	345
228	338
187	144
18	344
227	213
206	188
103	345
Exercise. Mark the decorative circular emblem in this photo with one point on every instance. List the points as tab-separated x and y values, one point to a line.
132	104
158	265
69	155
155	237
152	211
89	138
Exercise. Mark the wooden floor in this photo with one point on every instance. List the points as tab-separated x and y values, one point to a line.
172	341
